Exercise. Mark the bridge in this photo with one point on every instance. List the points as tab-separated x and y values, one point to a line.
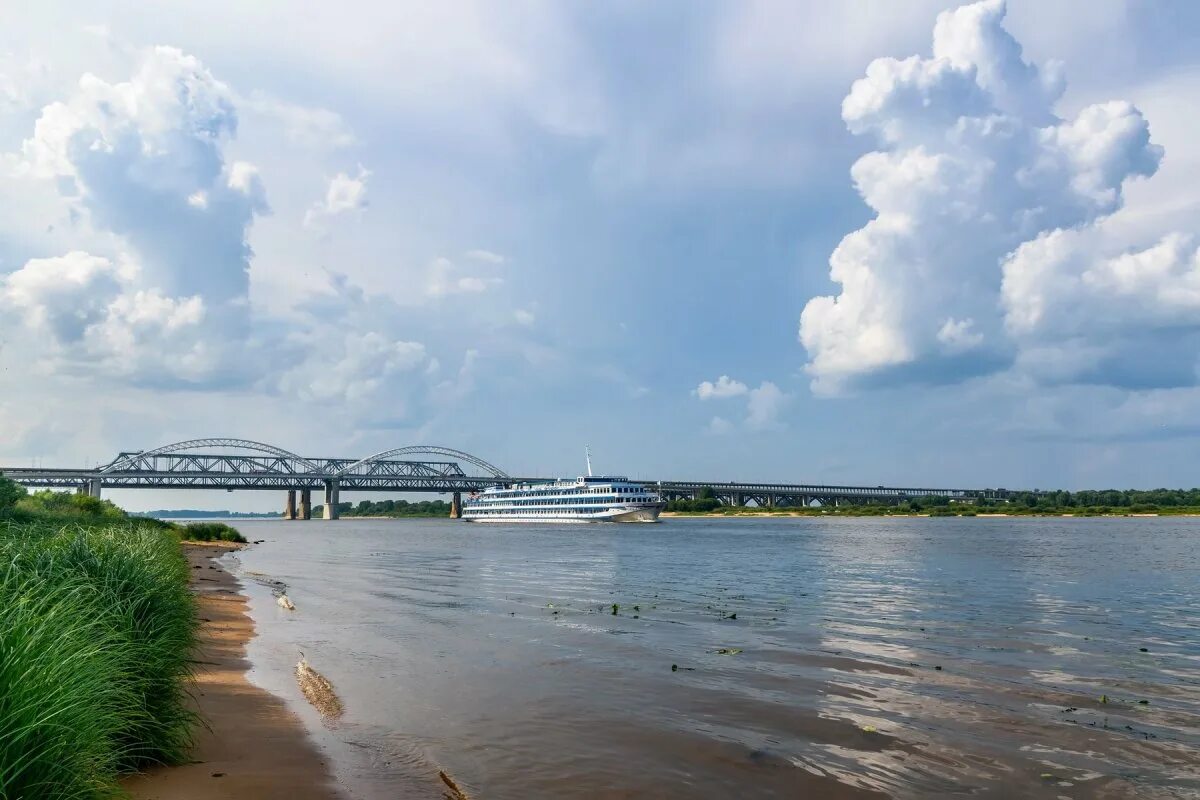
240	464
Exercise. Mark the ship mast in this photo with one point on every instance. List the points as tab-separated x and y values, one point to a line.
587	451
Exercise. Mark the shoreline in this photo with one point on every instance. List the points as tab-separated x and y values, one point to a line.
248	744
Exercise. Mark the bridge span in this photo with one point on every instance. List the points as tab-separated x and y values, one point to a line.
240	464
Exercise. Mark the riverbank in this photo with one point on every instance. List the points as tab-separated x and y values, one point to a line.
249	744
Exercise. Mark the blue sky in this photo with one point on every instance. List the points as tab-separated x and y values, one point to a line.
918	249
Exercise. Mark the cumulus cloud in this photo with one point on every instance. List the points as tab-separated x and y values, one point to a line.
352	367
763	404
973	166
1082	313
144	159
88	314
344	194
722	388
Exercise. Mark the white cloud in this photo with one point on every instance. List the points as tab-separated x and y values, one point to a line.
308	126
486	256
719	426
524	317
87	314
974	164
144	160
763	406
344	194
442	280
351	368
724	387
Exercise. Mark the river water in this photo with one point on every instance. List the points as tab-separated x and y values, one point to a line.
902	657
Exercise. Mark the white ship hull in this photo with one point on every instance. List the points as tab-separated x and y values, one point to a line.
645	514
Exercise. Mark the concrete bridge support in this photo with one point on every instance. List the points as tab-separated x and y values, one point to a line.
94	488
306	504
456	506
289	510
331	499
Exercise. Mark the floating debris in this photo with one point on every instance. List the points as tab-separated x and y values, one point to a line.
727	651
1143	649
615	609
283	601
456	792
869	729
1103	698
318	690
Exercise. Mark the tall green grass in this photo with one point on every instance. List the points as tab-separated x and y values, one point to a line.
97	627
210	532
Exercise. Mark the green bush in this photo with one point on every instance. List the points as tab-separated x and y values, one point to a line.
211	532
97	627
68	506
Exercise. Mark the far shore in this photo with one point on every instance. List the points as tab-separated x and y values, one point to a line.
248	744
818	514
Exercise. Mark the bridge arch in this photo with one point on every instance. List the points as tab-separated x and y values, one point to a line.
195	444
426	449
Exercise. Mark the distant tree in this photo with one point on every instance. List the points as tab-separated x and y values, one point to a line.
10	493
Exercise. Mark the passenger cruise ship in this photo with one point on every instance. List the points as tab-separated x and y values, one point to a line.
593	498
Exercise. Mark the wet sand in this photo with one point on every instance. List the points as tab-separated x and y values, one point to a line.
250	746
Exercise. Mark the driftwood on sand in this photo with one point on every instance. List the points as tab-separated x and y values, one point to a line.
454	792
318	690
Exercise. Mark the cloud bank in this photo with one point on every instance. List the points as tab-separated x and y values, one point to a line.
988	250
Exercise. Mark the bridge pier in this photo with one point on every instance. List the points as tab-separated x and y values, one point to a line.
331	498
94	488
306	504
289	510
456	505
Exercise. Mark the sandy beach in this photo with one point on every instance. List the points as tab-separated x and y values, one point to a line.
250	745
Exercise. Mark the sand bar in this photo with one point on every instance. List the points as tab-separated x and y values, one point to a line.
251	746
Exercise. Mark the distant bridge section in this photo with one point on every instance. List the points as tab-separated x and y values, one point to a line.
229	464
784	494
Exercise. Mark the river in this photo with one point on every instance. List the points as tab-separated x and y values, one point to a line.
758	658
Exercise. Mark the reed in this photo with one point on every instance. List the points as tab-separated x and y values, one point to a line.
97	627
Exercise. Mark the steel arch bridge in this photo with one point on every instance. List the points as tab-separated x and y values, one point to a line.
240	464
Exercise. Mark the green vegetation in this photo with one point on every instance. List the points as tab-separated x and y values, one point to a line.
390	508
97	627
211	532
706	503
1084	503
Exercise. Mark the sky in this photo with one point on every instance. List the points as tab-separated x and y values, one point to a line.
868	242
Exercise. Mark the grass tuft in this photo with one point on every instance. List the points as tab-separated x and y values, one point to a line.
97	627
